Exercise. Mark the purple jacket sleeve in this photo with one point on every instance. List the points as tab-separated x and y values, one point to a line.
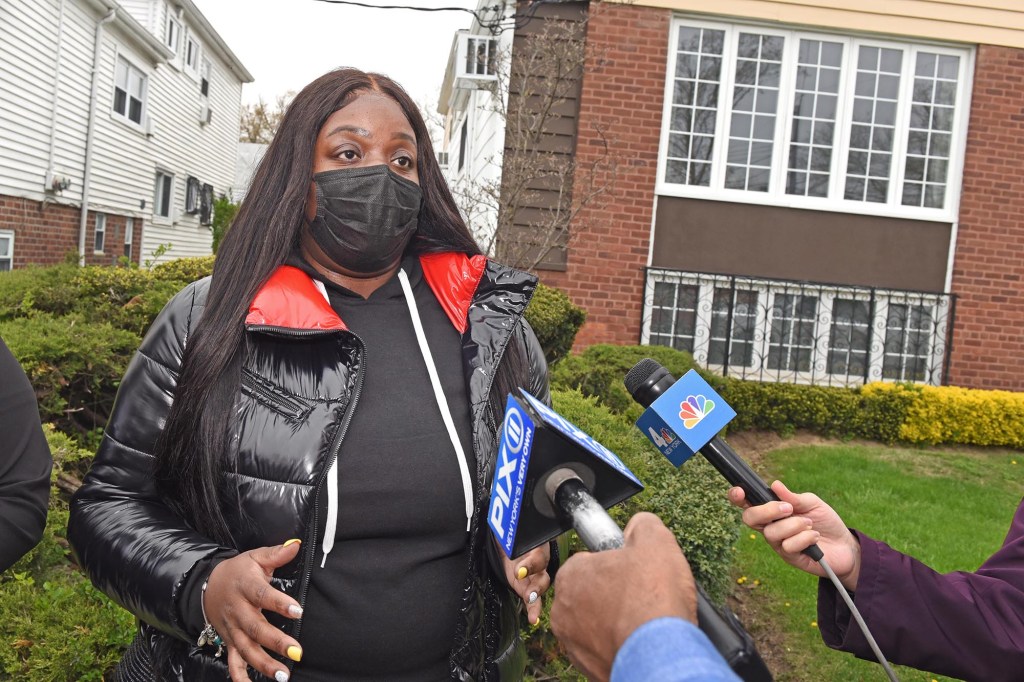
965	625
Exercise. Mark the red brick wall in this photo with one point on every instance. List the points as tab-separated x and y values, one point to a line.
44	235
988	341
623	86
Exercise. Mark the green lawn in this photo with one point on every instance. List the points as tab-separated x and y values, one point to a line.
950	509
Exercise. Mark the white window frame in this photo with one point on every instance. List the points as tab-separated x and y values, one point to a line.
834	202
159	194
191	66
129	236
99	233
205	75
125	116
766	291
172	33
8	260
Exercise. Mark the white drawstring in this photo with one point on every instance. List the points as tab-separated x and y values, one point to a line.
442	403
446	416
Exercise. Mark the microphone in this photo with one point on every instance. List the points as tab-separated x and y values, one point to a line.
683	417
551	477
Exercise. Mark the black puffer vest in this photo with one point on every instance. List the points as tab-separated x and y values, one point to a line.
299	384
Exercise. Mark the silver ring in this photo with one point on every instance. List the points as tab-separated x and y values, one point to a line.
533	598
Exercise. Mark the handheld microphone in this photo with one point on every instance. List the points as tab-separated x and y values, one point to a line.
678	420
683	417
551	476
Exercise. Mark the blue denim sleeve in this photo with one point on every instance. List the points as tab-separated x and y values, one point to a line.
670	650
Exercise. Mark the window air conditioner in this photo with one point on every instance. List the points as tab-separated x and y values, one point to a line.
476	61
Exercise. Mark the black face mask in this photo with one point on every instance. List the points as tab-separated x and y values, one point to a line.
365	216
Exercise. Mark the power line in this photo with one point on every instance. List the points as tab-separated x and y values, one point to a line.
494	26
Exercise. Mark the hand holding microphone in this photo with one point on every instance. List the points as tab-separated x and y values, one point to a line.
603	597
797	521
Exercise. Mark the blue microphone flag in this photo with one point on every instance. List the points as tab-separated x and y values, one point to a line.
509	484
534	442
685	418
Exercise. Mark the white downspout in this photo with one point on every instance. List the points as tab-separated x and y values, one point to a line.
56	94
87	173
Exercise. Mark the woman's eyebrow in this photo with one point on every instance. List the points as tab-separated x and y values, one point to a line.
362	132
403	136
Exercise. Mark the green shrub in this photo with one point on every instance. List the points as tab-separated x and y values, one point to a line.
691	500
948	414
555	320
224	213
74	366
31	289
599	371
54	626
783	408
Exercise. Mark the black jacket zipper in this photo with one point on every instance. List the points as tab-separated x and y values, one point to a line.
310	540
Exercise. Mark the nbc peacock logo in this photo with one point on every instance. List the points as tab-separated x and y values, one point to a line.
694	409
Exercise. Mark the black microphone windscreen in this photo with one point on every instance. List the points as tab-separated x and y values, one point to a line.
641	372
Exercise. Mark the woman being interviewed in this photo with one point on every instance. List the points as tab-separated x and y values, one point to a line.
297	468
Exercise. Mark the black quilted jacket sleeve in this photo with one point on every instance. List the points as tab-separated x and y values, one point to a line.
132	546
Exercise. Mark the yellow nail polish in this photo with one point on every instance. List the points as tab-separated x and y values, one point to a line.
522	572
295	653
292	541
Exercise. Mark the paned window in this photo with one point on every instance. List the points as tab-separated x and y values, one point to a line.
798	331
172	37
692	118
129	236
129	91
795	118
792	336
674	315
163	195
6	250
815	106
100	235
848	337
908	338
191	54
741	306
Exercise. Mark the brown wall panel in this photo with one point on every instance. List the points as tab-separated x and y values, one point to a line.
797	244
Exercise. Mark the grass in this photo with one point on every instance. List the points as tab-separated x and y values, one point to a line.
950	509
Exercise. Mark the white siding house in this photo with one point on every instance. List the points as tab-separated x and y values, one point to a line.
472	101
128	106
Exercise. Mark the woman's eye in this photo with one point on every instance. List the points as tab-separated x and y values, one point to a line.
405	162
348	154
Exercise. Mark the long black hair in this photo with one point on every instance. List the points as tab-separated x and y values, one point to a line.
190	453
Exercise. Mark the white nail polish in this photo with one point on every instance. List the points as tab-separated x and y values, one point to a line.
281	676
533	598
294	610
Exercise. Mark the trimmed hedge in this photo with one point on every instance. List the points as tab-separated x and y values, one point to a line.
690	500
886	412
599	371
949	414
555	321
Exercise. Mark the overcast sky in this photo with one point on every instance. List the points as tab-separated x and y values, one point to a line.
285	44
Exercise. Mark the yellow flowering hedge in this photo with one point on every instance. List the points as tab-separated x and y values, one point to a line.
949	414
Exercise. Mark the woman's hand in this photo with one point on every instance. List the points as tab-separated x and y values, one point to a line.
237	592
798	521
528	577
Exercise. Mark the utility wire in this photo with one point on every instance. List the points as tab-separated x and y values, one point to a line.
494	26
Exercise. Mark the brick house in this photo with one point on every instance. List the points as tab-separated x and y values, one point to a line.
815	191
118	127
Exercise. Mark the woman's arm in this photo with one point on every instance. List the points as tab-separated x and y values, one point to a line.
25	464
131	544
960	624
